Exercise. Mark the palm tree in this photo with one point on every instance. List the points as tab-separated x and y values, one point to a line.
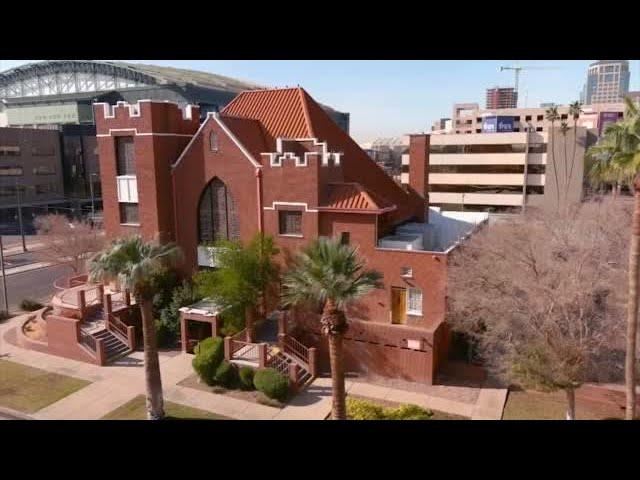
552	115
618	154
133	263
329	274
575	109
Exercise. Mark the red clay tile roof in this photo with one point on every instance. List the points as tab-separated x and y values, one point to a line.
249	132
282	112
292	113
353	197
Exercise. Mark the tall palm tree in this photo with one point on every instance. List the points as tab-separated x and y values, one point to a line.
133	263
552	116
618	154
330	274
575	109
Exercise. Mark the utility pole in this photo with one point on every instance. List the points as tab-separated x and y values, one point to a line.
24	244
4	278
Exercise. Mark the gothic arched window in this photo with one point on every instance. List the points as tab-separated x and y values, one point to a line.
217	215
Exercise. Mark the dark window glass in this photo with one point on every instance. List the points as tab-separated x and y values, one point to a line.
537	148
476	169
217	216
536	169
125	154
9	151
129	213
527	118
290	222
345	238
540	117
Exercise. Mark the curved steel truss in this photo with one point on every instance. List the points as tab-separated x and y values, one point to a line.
69	76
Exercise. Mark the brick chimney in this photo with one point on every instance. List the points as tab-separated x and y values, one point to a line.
415	166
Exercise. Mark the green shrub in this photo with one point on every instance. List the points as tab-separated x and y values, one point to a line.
30	305
363	410
272	383
226	374
209	355
408	412
246	375
164	335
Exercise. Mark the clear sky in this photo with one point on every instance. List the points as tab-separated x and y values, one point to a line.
389	98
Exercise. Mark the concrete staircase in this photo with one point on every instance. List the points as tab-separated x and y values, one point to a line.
115	348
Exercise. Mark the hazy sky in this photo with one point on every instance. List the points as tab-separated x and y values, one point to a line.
389	98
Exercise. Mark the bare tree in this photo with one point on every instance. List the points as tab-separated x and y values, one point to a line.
68	242
540	296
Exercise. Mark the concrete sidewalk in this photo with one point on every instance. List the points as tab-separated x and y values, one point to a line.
122	381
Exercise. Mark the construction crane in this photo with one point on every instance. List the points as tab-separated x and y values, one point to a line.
518	68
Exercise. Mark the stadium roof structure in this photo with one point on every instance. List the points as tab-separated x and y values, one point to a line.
138	73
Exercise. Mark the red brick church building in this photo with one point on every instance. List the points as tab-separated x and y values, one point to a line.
273	161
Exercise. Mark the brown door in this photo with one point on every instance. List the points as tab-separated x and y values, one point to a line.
398	305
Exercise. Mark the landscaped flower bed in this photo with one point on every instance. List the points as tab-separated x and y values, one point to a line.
361	408
216	375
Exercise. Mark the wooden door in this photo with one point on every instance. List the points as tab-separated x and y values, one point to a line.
398	305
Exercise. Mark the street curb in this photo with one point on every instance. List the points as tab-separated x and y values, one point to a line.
15	414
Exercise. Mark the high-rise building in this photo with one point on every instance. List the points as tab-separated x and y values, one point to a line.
502	97
607	82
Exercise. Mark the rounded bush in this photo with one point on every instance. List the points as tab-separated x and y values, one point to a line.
164	335
209	354
272	383
246	375
30	305
226	375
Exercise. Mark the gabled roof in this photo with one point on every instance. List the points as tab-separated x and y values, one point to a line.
281	112
290	113
353	197
249	132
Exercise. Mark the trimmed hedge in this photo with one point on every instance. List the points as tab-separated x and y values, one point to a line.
30	305
226	375
246	375
363	410
209	355
272	383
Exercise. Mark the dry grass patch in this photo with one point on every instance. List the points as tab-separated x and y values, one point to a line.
27	389
135	409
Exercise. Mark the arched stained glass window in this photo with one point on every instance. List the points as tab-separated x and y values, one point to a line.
217	215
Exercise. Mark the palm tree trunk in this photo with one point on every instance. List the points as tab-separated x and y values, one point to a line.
553	162
153	381
632	305
334	325
339	406
571	404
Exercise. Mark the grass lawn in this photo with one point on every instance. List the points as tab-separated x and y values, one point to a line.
136	410
27	389
530	405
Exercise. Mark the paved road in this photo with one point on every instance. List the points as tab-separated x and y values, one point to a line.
34	284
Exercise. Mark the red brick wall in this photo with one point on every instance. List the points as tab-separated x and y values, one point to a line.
419	165
429	270
153	156
196	169
62	338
